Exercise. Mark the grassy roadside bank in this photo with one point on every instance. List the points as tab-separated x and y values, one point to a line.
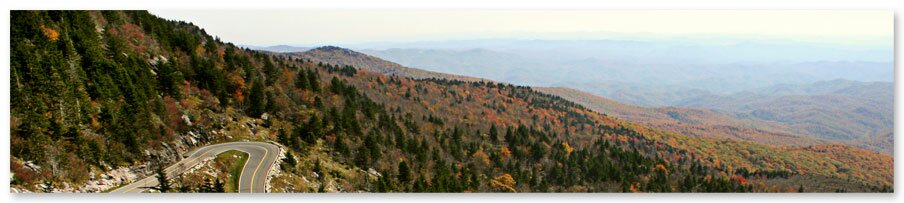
234	160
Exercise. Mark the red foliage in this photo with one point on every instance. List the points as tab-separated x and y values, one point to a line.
20	173
172	113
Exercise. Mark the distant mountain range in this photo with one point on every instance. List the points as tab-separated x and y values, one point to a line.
855	113
799	113
859	113
642	73
278	48
691	121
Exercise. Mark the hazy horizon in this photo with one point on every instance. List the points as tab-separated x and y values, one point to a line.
319	27
694	51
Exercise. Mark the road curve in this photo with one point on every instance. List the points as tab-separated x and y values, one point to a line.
261	157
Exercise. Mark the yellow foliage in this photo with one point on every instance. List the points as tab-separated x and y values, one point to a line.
504	182
94	123
568	148
200	49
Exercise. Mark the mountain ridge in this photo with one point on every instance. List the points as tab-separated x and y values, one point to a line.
334	55
278	48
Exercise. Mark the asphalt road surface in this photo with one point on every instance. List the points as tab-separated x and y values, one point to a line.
261	157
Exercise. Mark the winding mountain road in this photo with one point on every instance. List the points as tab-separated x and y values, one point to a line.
261	157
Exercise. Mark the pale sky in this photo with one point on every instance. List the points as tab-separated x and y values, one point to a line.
344	26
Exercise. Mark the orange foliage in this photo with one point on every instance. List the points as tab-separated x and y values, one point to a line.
481	156
505	151
50	33
635	187
239	97
240	82
739	178
662	167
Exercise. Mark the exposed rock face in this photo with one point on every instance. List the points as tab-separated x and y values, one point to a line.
374	173
157	60
17	190
187	120
96	184
168	153
110	180
275	170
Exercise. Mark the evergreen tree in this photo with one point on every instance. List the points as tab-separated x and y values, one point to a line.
164	184
269	70
341	145
183	186
494	133
372	147
207	186
283	138
302	81
404	172
168	79
313	80
48	186
311	131
289	160
256	103
336	86
317	168
218	186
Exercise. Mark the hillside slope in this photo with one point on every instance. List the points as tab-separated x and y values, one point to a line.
739	152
